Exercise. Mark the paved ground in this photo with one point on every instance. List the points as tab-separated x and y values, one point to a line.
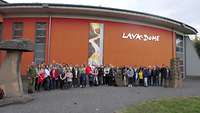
97	99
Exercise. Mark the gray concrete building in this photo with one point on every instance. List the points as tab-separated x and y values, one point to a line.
192	60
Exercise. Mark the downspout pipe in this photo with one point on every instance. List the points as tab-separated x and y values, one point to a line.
49	39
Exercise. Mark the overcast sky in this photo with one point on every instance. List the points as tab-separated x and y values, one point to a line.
186	11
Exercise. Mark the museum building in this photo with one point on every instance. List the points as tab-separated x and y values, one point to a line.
77	34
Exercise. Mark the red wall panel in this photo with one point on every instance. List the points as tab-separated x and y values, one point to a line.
120	51
69	41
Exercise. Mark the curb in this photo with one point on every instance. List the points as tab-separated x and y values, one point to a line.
16	100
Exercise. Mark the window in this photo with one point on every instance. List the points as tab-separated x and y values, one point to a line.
1	31
179	44
40	32
17	30
180	53
40	42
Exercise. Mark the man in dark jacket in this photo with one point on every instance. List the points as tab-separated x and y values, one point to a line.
75	76
153	74
111	76
146	76
100	74
150	76
163	71
157	76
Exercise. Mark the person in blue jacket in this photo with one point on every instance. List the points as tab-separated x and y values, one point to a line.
146	76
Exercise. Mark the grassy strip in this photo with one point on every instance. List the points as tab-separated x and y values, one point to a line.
170	105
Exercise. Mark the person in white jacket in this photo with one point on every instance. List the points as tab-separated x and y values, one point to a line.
47	78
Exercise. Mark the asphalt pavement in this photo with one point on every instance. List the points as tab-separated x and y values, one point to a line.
102	99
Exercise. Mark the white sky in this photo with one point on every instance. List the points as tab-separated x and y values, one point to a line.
186	11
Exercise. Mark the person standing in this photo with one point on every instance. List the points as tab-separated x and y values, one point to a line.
111	76
31	74
95	73
82	76
157	76
115	73
124	75
88	71
150	76
41	77
163	72
47	78
54	75
100	74
141	77
106	74
153	74
75	76
60	72
135	76
69	76
146	75
63	77
168	77
36	77
130	74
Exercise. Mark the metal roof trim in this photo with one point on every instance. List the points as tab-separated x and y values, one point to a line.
102	9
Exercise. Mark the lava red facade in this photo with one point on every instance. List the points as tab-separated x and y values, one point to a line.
69	42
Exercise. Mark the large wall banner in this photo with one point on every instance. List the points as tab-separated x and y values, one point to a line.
95	52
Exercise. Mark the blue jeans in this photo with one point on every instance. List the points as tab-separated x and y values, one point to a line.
83	80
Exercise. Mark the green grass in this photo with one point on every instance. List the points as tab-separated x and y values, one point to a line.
168	105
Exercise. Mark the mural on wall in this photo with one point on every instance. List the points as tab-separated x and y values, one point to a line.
95	52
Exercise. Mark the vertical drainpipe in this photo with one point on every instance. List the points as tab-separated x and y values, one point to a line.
185	55
49	39
173	44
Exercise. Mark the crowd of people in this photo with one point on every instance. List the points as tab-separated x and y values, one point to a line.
63	76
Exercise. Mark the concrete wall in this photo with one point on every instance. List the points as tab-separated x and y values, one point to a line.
192	59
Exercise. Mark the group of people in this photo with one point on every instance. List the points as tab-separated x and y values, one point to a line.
64	76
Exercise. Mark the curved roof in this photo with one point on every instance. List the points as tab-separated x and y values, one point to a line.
93	11
3	2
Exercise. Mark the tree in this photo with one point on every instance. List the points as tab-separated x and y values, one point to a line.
197	45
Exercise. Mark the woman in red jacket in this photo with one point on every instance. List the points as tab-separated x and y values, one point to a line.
54	75
88	71
41	77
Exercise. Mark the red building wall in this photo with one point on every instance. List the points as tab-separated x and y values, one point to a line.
69	42
123	51
28	33
70	38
